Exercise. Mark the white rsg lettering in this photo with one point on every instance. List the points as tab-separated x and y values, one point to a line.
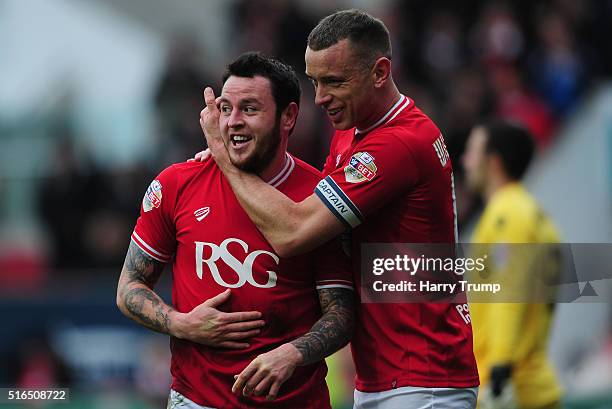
244	271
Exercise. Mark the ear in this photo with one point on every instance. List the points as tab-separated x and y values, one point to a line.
289	117
495	164
381	71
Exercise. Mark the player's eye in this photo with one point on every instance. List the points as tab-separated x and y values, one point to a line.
334	82
249	109
226	109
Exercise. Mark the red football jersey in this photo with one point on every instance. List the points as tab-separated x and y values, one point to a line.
190	215
393	183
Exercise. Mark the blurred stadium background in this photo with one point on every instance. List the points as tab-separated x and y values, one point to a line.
98	96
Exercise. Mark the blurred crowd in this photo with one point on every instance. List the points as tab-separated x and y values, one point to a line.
460	61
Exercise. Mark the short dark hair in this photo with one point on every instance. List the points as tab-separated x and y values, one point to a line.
368	35
283	79
514	145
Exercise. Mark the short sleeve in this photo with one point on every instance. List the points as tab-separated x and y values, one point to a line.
328	167
155	232
332	266
332	158
379	170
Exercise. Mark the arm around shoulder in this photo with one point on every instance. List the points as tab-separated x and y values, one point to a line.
308	225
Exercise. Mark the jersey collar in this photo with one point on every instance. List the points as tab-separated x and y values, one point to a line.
284	173
398	107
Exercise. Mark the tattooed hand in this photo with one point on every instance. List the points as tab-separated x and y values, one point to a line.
267	372
204	324
209	326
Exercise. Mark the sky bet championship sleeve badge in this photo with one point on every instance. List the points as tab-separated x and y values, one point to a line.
152	199
361	167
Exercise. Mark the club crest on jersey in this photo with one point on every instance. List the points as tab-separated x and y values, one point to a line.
153	196
201	213
361	168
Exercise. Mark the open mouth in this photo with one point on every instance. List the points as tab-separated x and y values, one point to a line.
334	112
239	140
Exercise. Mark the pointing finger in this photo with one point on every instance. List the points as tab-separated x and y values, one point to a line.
209	97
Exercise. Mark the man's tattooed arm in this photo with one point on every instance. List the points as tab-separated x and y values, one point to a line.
333	330
135	295
204	324
267	372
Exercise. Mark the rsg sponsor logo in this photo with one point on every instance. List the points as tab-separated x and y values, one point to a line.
243	270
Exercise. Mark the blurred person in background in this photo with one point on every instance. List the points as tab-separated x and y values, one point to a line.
176	98
516	102
389	179
238	307
88	231
66	179
510	339
556	65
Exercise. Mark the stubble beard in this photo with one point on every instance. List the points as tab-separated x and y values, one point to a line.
258	161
